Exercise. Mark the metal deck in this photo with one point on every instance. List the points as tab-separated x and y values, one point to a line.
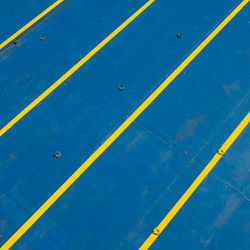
129	149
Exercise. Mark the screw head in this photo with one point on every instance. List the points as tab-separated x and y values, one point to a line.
121	88
220	152
179	35
57	154
156	231
42	38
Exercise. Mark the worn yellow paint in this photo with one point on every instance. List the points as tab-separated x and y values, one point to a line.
123	126
73	69
158	230
29	24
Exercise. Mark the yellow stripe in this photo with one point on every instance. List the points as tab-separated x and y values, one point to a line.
28	25
115	135
158	230
73	69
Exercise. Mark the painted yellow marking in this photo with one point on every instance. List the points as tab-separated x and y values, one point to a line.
29	24
74	69
116	134
153	236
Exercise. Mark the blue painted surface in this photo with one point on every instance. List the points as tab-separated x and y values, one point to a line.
117	202
15	14
217	214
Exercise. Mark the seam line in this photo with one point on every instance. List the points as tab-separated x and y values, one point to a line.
73	69
29	24
181	202
120	130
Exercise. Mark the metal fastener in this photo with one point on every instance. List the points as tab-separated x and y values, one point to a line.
121	88
156	231
57	154
220	152
179	35
42	38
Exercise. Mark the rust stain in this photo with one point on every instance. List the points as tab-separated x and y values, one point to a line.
3	225
232	87
227	212
12	157
226	90
188	129
137	139
165	155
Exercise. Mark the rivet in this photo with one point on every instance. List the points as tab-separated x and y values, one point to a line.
220	152
57	154
15	42
121	88
156	231
179	35
42	38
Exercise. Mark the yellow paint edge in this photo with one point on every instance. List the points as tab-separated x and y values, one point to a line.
158	230
29	24
73	69
118	132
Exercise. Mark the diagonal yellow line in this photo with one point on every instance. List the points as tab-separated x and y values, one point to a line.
29	24
74	69
158	230
117	132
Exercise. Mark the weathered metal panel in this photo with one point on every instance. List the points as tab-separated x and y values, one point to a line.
129	189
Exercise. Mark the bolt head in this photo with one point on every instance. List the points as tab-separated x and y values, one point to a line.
156	231
42	38
121	88
220	152
179	35
57	154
